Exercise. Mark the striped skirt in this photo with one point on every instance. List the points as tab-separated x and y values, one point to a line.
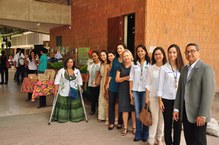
67	109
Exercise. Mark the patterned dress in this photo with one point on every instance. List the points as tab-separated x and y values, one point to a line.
102	100
67	109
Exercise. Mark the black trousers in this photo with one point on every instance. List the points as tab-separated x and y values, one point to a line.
42	100
169	122
94	94
194	135
29	96
4	75
20	74
113	98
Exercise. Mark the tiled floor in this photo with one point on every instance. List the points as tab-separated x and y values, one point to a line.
21	123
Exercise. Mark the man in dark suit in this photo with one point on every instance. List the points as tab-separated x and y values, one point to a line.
194	97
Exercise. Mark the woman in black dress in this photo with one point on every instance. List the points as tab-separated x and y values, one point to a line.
122	77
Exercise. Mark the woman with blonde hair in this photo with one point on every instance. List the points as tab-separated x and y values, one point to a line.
125	106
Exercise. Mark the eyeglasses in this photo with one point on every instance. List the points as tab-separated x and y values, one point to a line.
191	51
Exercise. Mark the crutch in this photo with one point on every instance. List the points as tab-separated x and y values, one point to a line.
53	108
82	102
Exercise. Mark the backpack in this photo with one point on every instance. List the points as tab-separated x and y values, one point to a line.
20	61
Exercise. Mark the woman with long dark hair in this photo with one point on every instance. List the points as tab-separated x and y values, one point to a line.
68	109
137	83
152	81
168	83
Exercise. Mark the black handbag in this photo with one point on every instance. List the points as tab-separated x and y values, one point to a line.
73	93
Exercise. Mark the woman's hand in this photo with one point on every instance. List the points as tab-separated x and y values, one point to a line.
161	105
131	95
147	100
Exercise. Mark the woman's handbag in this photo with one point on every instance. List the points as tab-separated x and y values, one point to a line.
145	115
8	65
73	93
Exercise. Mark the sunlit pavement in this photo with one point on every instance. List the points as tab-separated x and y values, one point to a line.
21	123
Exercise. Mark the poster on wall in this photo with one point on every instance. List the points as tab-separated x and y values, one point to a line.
83	55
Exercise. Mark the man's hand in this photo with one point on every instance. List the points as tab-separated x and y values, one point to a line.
176	116
200	121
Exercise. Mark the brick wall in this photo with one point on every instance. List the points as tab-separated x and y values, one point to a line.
182	22
90	19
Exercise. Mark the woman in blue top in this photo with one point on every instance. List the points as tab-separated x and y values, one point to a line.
113	88
137	83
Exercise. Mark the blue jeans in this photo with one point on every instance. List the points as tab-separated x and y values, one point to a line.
141	130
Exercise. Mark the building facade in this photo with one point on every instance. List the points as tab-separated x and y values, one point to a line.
101	24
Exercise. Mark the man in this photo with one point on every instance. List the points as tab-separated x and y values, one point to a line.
41	70
194	97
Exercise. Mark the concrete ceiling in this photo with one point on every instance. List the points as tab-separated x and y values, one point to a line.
30	26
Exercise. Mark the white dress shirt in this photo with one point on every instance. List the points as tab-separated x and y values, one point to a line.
64	83
168	82
138	75
152	80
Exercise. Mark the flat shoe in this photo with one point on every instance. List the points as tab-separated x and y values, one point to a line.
119	126
110	127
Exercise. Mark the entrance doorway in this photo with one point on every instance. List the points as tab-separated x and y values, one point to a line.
115	32
121	30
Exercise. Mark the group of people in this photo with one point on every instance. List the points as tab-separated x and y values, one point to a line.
120	86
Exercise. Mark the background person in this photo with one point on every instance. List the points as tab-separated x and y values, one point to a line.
42	66
3	68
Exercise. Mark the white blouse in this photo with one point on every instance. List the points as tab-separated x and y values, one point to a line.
64	83
152	80
138	75
31	64
168	82
93	69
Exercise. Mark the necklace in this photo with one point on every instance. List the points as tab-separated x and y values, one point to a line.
175	77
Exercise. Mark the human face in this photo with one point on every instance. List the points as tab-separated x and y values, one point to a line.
103	56
120	49
141	53
111	56
126	57
94	57
32	54
158	56
192	54
172	54
70	63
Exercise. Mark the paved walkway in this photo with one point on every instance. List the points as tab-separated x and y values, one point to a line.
21	123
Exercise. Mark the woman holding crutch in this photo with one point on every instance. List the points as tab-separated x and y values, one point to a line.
67	108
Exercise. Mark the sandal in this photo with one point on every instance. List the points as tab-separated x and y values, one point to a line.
124	131
133	131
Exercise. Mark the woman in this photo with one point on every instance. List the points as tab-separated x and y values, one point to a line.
110	56
137	83
122	77
152	80
32	68
68	109
112	85
102	101
169	74
94	88
3	68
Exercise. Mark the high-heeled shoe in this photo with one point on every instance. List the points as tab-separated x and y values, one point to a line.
111	126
